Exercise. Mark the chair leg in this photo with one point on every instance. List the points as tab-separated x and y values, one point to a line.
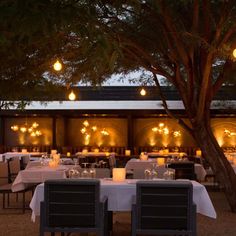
8	199
23	203
3	201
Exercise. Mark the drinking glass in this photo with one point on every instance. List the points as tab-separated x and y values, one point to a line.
147	173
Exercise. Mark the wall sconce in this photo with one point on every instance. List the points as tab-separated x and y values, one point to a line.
234	53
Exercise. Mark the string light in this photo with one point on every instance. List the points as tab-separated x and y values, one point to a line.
72	96
143	92
162	129
57	66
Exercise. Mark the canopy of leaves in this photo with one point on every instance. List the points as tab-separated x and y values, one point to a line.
97	38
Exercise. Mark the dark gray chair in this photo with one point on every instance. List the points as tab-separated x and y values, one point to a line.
183	170
5	187
73	205
164	208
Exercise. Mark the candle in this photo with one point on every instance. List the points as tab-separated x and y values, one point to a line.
53	151
198	153
143	157
85	151
127	152
160	161
52	164
68	154
118	174
24	150
166	151
96	150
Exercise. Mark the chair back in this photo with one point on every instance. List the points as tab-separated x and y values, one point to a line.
3	173
14	167
183	170
24	161
72	203
164	205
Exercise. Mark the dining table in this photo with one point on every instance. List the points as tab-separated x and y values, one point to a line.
120	196
31	155
36	172
151	162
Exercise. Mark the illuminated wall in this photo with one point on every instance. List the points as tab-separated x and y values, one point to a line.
17	138
116	129
224	130
145	136
115	132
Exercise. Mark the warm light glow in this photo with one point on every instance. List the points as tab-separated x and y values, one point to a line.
57	66
15	127
198	153
127	152
33	134
38	133
104	132
229	133
161	161
83	130
35	125
94	128
23	129
143	92
234	53
166	131
155	129
86	123
72	96
176	134
161	125
143	157
118	174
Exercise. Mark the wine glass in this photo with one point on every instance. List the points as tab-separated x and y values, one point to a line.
147	173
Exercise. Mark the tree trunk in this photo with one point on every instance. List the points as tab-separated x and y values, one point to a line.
216	158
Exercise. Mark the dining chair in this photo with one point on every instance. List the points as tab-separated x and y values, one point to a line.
164	208
14	168
73	205
5	188
183	170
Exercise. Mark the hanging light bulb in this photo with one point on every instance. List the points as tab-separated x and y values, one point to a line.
143	92
94	128
72	96
23	129
57	66
15	127
234	53
35	125
86	123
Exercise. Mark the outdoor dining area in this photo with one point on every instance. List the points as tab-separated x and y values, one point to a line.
117	118
102	175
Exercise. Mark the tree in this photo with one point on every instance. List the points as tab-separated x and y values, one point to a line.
189	42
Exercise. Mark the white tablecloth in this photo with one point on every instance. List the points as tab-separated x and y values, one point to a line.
8	155
120	197
173	154
139	164
95	154
37	174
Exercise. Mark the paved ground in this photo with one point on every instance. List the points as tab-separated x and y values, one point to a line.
13	223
